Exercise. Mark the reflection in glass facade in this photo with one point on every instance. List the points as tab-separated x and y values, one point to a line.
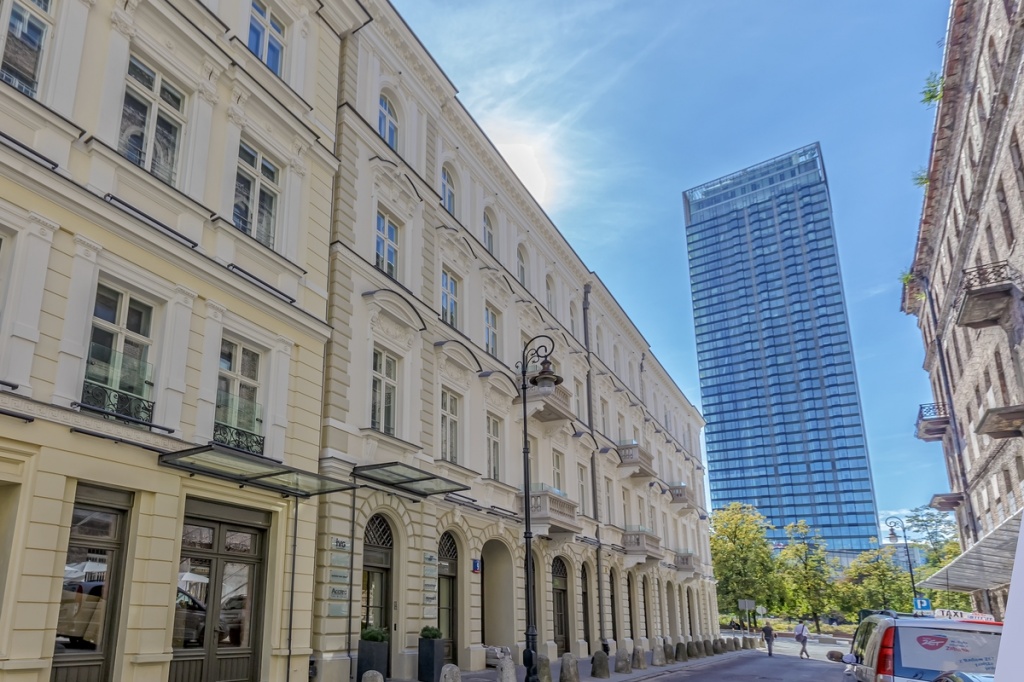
778	385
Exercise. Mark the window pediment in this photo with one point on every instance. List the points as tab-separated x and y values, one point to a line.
458	358
455	250
395	188
392	316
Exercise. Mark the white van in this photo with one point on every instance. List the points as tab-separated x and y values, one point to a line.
891	648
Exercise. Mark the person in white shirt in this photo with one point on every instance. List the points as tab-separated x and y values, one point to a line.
801	634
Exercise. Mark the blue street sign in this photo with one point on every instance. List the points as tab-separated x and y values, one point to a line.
922	604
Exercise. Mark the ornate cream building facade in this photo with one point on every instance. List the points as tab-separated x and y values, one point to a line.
263	286
964	286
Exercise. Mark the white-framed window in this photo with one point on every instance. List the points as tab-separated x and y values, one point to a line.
384	392
29	25
572	318
449	426
447	190
521	271
549	292
387	122
238	421
557	469
493	447
6	254
577	399
604	416
152	121
118	375
608	500
257	190
491	330
488	233
387	245
582	488
449	298
266	36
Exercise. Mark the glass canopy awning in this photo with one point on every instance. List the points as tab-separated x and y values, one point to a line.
985	566
407	478
245	468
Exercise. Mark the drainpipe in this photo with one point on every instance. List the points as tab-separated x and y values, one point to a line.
958	456
593	467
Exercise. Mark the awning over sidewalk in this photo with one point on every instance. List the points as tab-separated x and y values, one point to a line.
985	566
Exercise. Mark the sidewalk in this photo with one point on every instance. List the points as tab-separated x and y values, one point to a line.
491	674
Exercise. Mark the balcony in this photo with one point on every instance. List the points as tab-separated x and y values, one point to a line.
553	407
932	421
642	543
684	561
682	495
551	511
117	385
1002	422
986	293
632	454
946	502
237	423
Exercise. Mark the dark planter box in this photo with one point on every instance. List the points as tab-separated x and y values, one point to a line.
372	656
431	660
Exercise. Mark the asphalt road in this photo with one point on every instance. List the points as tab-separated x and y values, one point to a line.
784	666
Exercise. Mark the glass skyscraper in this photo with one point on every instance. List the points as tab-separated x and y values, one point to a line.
778	386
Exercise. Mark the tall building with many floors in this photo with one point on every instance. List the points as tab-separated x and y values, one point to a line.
263	285
778	385
964	285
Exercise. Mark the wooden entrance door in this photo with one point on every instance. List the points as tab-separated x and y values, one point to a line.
560	598
447	598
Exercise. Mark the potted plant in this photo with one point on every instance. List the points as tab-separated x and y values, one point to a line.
431	658
373	652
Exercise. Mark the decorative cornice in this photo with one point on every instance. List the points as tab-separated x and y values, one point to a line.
42	226
87	248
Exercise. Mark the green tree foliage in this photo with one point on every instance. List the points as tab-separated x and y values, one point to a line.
920	177
932	92
742	557
935	528
807	572
874	580
942	599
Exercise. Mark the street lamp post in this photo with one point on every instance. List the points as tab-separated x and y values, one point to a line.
537	348
895	522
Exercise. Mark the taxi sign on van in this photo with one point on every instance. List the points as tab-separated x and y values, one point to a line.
953	614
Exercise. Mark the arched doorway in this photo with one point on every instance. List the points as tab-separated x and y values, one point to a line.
498	607
691	599
560	604
447	591
646	604
613	596
585	592
673	612
378	550
631	613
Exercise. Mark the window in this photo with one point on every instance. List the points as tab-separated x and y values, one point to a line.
6	247
549	292
490	330
572	318
447	191
256	192
27	31
577	399
608	500
521	265
239	417
449	298
118	377
582	488
1004	214
387	122
557	466
91	595
493	447
384	392
604	416
152	119
266	36
387	245
449	426
488	235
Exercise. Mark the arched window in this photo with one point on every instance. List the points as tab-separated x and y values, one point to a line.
488	233
387	122
572	318
521	265
447	191
549	292
615	358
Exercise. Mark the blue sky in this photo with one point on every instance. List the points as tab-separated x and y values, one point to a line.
609	109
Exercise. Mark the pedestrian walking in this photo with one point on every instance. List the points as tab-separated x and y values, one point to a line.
768	635
800	634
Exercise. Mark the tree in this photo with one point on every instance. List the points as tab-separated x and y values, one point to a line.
944	599
742	557
807	571
933	87
874	580
934	527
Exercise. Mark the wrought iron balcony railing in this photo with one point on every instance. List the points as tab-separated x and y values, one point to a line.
932	421
117	384
985	294
238	422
